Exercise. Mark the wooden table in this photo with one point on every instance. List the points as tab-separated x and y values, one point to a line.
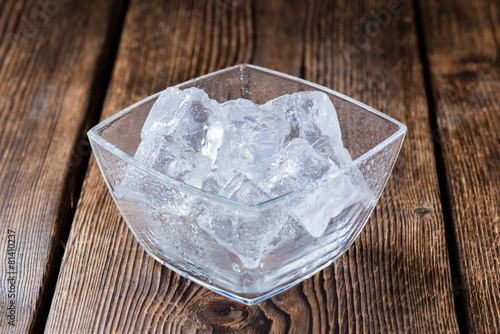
428	259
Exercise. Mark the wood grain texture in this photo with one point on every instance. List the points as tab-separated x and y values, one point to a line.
49	55
396	276
462	40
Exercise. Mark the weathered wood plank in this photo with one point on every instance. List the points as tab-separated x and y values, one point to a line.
462	41
396	276
50	56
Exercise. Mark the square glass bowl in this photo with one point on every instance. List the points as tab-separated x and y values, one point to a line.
163	213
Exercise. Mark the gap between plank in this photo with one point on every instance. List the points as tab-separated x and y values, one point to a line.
451	240
76	174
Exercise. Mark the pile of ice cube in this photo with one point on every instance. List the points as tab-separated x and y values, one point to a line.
251	153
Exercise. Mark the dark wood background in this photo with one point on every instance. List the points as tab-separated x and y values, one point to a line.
428	259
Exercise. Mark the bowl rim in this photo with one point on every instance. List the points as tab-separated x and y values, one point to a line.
94	136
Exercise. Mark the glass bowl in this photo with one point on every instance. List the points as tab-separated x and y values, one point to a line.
163	213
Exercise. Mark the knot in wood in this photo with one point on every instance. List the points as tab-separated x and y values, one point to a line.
222	312
422	211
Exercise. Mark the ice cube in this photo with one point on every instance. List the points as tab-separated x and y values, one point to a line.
311	115
189	115
180	139
341	157
173	157
210	184
140	189
244	232
314	208
295	166
253	135
299	165
338	154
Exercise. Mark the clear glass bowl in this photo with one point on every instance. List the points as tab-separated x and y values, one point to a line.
169	231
